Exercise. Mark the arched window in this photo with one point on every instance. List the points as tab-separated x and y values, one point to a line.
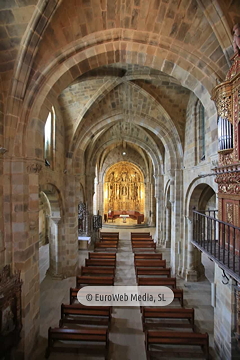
225	134
199	132
49	138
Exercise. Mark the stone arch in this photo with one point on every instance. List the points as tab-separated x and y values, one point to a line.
147	146
199	191
200	194
56	227
55	82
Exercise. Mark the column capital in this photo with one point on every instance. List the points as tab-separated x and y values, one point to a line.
55	220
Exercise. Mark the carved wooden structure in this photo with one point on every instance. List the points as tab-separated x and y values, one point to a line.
227	98
10	310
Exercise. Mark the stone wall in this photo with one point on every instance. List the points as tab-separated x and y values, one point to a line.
224	313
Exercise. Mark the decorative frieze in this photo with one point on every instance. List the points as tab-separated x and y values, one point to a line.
228	179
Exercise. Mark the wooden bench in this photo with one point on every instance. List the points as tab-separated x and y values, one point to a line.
150	263
142	242
87	315
108	238
140	234
160	281
87	337
104	255
109	234
106	245
94	280
176	317
137	246
97	270
100	262
73	294
142	238
148	271
147	256
157	337
178	294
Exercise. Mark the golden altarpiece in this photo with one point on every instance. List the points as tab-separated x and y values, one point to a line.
227	98
124	188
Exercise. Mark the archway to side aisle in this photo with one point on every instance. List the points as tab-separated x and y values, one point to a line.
202	197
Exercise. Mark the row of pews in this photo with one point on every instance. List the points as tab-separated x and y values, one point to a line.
160	323
85	329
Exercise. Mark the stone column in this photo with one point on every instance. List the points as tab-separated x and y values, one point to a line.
195	268
191	273
55	263
22	188
100	203
70	246
224	315
148	202
168	226
159	215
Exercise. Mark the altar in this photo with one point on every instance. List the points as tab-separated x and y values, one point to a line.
124	217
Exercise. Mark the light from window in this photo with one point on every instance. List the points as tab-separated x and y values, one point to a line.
49	135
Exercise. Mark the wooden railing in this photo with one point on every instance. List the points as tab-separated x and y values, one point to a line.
220	240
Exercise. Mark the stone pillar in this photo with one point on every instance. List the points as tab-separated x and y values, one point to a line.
168	226
24	236
2	242
70	246
148	202
191	273
55	263
100	201
195	268
152	220
224	315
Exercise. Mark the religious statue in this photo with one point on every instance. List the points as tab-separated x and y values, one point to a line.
236	38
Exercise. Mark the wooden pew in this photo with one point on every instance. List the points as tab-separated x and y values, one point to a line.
73	294
97	270
157	337
142	242
149	271
142	238
138	246
94	280
107	238
106	245
104	255
87	336
176	317
160	281
150	263
140	234
100	262
178	294
87	315
109	234
147	256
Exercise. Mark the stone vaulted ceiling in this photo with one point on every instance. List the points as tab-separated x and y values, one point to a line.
107	61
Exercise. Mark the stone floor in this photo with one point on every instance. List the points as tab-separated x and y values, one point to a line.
126	335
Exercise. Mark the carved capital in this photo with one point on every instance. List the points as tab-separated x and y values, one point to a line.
34	168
